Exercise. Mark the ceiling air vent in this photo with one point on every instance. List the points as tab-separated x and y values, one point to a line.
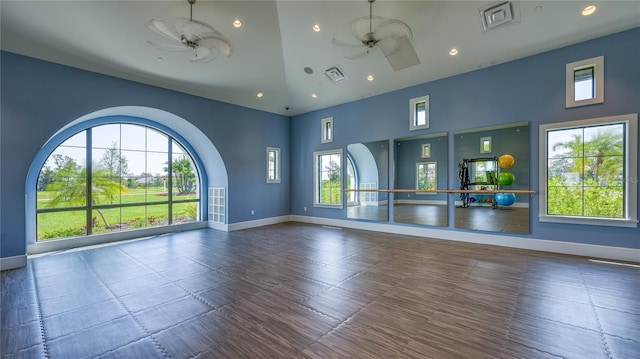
499	14
335	74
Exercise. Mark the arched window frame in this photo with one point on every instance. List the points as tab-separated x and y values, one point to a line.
60	137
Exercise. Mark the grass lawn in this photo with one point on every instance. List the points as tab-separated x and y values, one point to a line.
73	223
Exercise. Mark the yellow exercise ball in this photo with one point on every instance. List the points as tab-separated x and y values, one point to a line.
506	161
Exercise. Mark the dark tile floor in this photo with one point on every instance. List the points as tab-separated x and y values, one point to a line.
296	290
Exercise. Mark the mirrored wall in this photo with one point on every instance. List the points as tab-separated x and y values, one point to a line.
493	158
368	169
421	164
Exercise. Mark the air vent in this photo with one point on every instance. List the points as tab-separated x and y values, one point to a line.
335	74
499	14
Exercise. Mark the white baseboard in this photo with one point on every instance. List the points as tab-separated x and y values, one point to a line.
219	226
258	223
544	245
14	262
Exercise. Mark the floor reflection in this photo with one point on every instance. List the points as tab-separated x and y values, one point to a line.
501	219
425	214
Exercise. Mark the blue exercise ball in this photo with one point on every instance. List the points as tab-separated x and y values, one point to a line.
505	199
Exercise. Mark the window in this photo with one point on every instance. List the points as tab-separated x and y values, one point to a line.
426	150
485	144
419	113
328	178
273	165
352	180
327	130
484	172
426	176
585	82
115	177
589	171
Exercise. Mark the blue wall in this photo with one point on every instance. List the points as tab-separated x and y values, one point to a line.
39	98
527	90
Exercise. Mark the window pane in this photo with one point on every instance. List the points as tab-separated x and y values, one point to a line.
565	143
421	118
583	84
61	224
107	220
185	177
105	136
156	179
157	141
185	212
329	179
157	215
564	199
133	137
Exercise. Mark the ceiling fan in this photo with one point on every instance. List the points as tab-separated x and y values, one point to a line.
392	36
192	35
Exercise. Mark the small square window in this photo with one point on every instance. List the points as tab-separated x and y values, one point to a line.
426	150
419	110
327	130
585	82
485	144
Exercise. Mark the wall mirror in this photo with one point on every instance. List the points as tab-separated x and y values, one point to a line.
421	163
502	164
368	169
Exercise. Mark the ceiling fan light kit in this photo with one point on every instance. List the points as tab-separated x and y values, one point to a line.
187	34
392	36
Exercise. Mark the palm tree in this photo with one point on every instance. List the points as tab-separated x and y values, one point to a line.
73	190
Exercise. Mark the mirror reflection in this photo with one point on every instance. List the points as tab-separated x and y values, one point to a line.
421	164
368	168
493	159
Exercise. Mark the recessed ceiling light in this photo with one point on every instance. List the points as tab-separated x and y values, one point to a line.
316	28
370	78
453	51
260	94
314	95
160	58
237	23
538	8
589	10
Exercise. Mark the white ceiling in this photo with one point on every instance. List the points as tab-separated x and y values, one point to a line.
277	42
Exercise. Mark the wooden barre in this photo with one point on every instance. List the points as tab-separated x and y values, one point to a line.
523	191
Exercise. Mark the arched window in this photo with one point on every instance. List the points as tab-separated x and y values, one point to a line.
139	177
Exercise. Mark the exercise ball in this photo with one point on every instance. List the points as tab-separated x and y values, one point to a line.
506	178
505	199
506	161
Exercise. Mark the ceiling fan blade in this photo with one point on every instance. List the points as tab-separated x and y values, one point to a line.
362	26
392	27
220	44
404	56
168	47
204	55
364	53
345	44
164	28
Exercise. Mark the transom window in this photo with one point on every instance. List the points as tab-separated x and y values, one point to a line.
273	165
589	171
116	177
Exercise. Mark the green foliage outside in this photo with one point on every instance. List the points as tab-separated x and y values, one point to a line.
331	189
586	180
65	186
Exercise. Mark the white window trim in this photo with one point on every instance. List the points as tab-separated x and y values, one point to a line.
327	130
412	113
278	169
631	162
598	77
316	185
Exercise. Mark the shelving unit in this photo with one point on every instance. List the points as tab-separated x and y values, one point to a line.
491	180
